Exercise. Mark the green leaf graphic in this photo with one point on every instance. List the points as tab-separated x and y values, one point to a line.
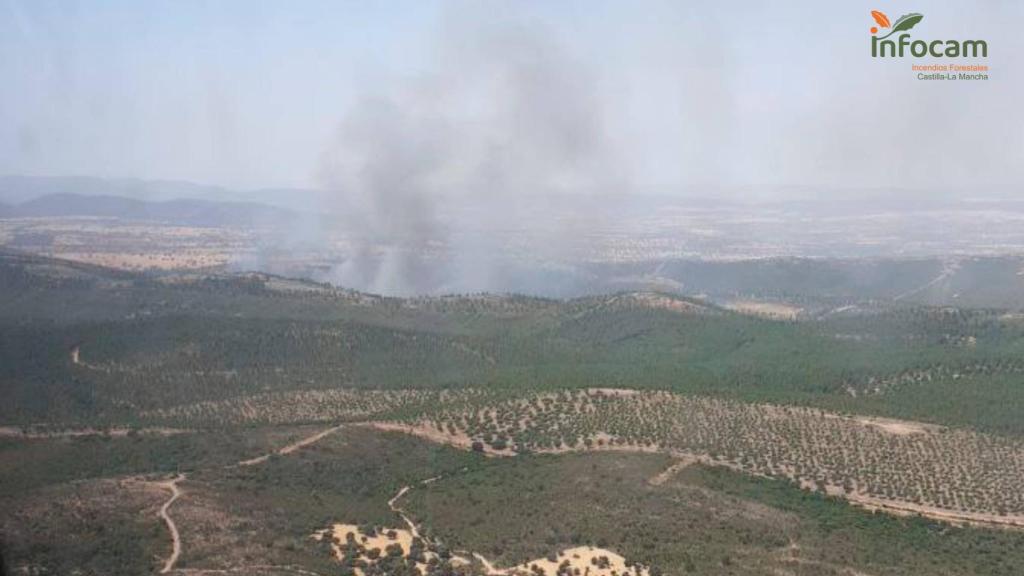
906	22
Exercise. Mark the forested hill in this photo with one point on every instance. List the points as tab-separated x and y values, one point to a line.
86	344
186	212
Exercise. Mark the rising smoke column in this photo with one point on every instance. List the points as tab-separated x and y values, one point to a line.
505	120
383	174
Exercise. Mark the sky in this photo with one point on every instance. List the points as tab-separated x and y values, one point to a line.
740	98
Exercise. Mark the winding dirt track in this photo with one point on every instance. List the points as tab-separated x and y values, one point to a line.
176	492
171	485
293	446
895	507
682	460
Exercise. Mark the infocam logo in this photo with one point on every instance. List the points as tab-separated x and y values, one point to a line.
882	47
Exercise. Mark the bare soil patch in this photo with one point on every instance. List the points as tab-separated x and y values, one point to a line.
765	309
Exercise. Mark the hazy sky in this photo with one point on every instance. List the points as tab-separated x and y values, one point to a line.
669	96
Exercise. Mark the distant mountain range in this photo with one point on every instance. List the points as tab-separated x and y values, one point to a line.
19	189
188	212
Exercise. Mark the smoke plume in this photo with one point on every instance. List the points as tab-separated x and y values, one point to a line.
506	119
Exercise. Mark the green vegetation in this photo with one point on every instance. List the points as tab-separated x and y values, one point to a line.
269	511
255	515
242	365
29	464
700	521
81	528
154	343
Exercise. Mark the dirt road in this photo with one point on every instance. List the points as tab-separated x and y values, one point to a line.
176	492
171	485
293	446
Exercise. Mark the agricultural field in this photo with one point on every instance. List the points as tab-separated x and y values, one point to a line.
413	503
126	245
202	422
896	465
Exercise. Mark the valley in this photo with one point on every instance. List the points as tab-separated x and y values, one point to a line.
264	425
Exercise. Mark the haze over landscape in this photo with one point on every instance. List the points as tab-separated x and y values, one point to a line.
453	288
419	133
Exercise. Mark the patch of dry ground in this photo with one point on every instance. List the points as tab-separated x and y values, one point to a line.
774	310
187	260
428	431
126	244
658	301
580	560
899	427
351	543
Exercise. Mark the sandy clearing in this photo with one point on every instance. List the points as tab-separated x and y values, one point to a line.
428	431
774	310
618	392
892	426
340	533
488	567
380	541
582	559
188	259
586	559
898	427
660	302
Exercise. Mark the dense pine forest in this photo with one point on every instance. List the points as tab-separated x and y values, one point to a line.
97	346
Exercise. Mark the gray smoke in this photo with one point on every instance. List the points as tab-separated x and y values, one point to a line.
506	120
384	170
